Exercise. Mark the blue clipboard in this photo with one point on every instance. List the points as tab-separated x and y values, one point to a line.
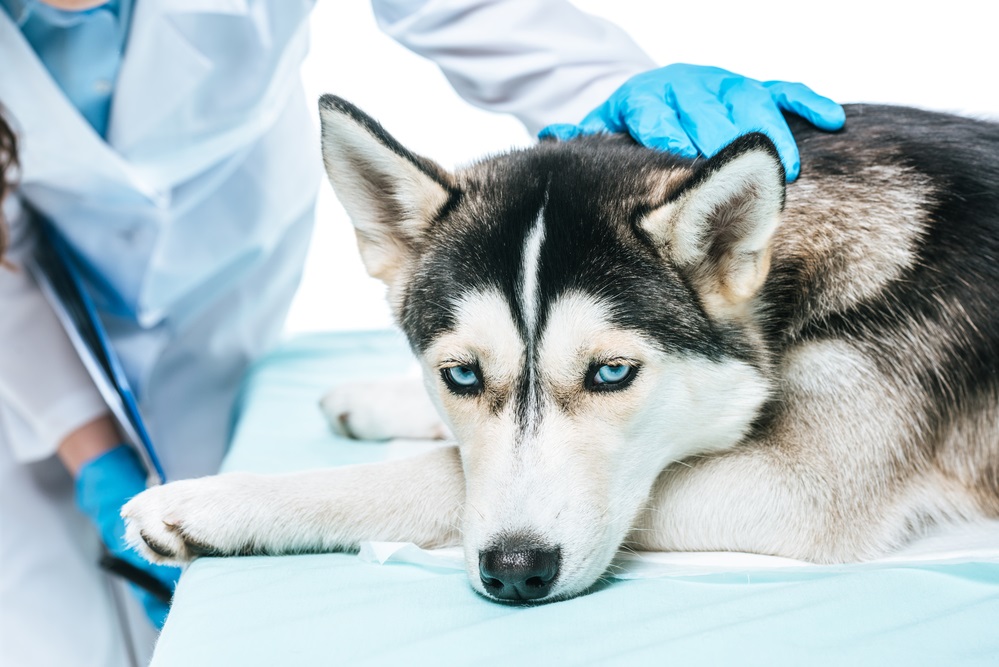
57	273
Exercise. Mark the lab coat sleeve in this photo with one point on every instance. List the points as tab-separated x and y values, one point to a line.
45	391
544	61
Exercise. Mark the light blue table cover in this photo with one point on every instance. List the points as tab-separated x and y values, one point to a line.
336	609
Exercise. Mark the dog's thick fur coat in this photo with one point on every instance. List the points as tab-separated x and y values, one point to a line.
809	373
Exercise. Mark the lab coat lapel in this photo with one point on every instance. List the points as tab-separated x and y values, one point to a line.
162	68
58	144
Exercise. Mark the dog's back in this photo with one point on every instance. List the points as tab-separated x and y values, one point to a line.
890	244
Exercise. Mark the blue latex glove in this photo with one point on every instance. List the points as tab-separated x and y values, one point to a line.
103	485
692	110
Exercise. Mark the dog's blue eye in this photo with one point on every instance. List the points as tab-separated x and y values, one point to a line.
610	377
611	374
462	379
463	375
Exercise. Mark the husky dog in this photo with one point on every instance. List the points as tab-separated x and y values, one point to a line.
635	349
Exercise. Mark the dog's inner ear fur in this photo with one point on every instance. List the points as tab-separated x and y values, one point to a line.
719	225
390	194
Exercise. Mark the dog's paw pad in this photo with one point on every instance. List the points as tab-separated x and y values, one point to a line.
197	549
341	426
156	540
157	547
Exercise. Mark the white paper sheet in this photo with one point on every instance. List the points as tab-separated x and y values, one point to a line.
951	544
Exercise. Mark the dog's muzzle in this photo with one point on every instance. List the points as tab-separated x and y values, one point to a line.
519	570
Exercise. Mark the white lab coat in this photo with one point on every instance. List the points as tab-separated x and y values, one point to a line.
194	217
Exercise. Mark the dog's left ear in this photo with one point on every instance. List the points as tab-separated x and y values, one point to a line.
717	227
390	193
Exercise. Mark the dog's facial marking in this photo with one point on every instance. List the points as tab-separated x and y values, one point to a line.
589	238
529	300
528	294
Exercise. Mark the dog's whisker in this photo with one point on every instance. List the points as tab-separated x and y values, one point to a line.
477	511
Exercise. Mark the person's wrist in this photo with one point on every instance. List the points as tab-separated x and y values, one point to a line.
87	442
103	485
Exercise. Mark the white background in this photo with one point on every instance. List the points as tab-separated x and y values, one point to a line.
933	55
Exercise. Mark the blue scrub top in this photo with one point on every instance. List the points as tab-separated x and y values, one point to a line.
82	50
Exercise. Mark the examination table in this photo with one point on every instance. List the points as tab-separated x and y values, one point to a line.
935	606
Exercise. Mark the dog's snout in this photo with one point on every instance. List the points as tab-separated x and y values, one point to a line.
520	572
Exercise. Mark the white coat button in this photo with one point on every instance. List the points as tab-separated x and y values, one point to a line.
102	86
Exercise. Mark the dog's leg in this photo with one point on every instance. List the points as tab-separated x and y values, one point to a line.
767	502
823	484
742	501
397	408
417	500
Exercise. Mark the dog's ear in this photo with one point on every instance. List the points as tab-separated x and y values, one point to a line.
391	194
717	227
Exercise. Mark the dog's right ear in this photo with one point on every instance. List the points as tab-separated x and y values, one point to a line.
390	193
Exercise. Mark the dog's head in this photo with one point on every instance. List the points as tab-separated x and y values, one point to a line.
584	313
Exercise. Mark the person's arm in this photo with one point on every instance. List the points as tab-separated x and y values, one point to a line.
50	406
542	61
45	391
86	443
549	64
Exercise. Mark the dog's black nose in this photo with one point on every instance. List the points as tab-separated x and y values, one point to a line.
520	573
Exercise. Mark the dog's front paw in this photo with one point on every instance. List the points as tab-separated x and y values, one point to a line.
382	411
177	522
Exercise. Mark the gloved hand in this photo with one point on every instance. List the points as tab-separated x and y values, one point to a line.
692	109
103	485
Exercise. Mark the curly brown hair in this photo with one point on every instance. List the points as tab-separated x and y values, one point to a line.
8	162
